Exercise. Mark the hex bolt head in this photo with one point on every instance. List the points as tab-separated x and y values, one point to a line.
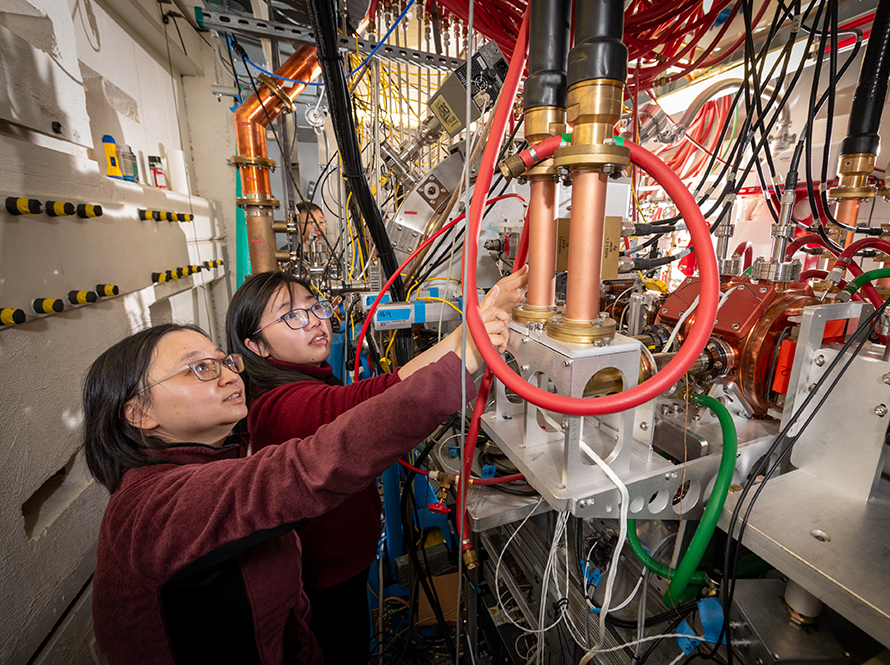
664	310
880	410
886	379
735	326
567	363
582	503
524	368
525	340
820	360
644	425
763	289
811	387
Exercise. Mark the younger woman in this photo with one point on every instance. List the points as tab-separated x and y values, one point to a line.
197	557
284	333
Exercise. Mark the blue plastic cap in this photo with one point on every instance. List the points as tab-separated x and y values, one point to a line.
108	138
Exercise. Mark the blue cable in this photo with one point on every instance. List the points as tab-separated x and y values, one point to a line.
383	41
356	70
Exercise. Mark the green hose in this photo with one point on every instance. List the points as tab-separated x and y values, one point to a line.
865	277
686	574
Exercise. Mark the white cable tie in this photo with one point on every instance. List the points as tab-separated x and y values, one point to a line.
823	187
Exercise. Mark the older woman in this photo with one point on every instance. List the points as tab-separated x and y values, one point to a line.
198	561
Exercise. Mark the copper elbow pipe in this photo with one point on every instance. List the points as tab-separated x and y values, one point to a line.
542	243
586	245
256	113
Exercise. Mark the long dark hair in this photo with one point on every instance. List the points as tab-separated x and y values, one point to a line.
113	445
243	318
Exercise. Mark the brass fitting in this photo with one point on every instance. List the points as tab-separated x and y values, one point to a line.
593	109
445	480
525	313
541	123
853	171
470	559
599	332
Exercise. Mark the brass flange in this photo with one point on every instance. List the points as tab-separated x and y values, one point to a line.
260	203
525	313
598	332
542	122
248	160
278	91
853	171
594	157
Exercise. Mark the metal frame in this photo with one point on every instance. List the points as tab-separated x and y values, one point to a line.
302	34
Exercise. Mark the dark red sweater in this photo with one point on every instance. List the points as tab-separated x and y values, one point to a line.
198	561
340	544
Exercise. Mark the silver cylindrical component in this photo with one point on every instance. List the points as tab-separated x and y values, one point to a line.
803	606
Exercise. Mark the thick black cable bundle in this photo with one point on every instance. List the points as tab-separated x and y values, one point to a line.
328	54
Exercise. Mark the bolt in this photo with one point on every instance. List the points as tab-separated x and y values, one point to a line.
880	410
506	417
664	310
740	288
525	340
582	503
608	168
811	387
567	363
524	368
886	379
682	313
561	486
644	425
763	289
820	360
689	280
735	326
670	476
57	127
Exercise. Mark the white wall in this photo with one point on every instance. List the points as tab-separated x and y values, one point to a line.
79	63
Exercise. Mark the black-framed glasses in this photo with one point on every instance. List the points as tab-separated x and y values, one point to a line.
206	369
299	318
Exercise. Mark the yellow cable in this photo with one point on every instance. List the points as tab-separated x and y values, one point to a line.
447	302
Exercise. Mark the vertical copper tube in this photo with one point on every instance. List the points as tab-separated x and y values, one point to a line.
586	245
847	212
542	243
261	239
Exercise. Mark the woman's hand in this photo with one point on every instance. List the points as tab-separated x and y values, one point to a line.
512	289
497	325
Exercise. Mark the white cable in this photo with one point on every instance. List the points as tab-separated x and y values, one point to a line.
589	655
680	657
629	598
687	314
622	537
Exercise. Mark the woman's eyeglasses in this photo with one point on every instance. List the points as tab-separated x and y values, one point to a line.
207	369
299	318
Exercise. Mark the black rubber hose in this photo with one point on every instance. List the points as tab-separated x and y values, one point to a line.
599	52
548	46
337	91
868	100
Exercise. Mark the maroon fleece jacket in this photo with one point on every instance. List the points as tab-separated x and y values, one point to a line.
340	544
198	561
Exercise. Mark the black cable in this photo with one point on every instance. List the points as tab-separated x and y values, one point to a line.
732	552
408	526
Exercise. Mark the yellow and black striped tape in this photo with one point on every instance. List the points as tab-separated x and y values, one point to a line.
10	316
145	214
23	206
107	289
48	305
162	215
158	277
87	210
82	297
60	208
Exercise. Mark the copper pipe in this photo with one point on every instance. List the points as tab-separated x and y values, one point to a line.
847	212
261	239
251	119
586	245
542	243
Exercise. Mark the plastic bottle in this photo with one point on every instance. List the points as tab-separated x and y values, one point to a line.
128	163
158	179
114	169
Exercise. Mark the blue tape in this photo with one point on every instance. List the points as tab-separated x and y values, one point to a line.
711	612
419	311
488	471
687	644
393	315
453	451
